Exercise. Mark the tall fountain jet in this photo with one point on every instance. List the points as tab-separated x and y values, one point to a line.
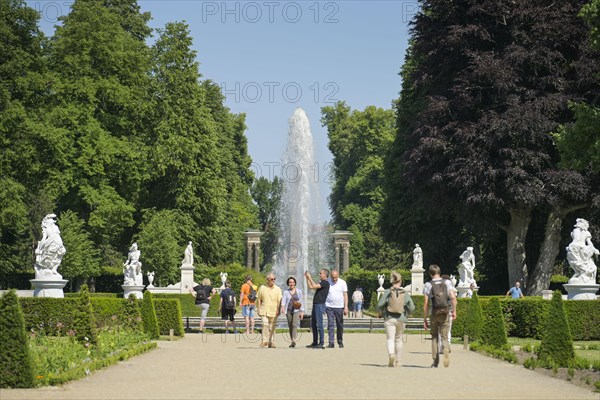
301	245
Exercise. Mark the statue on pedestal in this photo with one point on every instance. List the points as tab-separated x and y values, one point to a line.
580	254
417	258
49	251
188	256
466	268
132	268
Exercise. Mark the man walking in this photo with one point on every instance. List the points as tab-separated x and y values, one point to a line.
248	302
336	306
318	309
515	291
268	305
441	301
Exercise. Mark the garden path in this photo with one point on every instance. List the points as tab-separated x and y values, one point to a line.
217	366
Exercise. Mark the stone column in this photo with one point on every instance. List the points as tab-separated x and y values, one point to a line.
256	256
342	239
346	253
253	248
248	255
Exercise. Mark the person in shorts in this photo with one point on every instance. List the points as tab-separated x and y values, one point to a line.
227	314
248	305
357	302
203	303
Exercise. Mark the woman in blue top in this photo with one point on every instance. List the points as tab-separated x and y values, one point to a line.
292	296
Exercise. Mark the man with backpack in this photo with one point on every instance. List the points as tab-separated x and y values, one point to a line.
227	306
440	303
248	303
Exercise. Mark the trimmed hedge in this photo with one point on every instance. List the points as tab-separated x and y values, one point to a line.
493	331
84	323
77	294
186	301
557	344
525	317
52	315
473	322
168	315
149	316
16	364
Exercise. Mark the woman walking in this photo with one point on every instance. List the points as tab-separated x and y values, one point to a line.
292	305
395	305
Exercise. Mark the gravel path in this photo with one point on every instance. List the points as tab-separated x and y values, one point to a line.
234	367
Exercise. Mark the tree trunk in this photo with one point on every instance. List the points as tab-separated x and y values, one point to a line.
540	279
516	232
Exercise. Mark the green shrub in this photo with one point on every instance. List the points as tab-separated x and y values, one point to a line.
473	324
84	323
149	316
16	366
187	301
168	314
493	332
236	275
584	318
557	344
524	316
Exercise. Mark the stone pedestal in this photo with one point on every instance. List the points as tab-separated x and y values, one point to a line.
137	290
416	282
187	277
380	291
48	287
547	294
581	291
464	290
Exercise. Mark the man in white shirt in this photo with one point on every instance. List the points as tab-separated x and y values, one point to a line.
336	306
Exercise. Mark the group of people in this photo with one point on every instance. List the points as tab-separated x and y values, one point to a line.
331	299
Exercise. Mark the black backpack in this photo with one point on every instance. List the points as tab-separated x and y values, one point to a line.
252	294
201	293
439	297
229	301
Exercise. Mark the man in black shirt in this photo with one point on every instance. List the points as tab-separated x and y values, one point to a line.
318	308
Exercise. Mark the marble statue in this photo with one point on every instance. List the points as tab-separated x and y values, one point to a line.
132	268
467	268
49	251
580	253
188	256
380	279
150	276
223	279
417	257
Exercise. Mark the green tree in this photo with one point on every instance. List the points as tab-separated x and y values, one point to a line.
16	365
82	259
22	67
160	240
473	145
267	196
100	81
359	141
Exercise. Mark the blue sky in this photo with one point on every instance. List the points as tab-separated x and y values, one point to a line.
271	57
